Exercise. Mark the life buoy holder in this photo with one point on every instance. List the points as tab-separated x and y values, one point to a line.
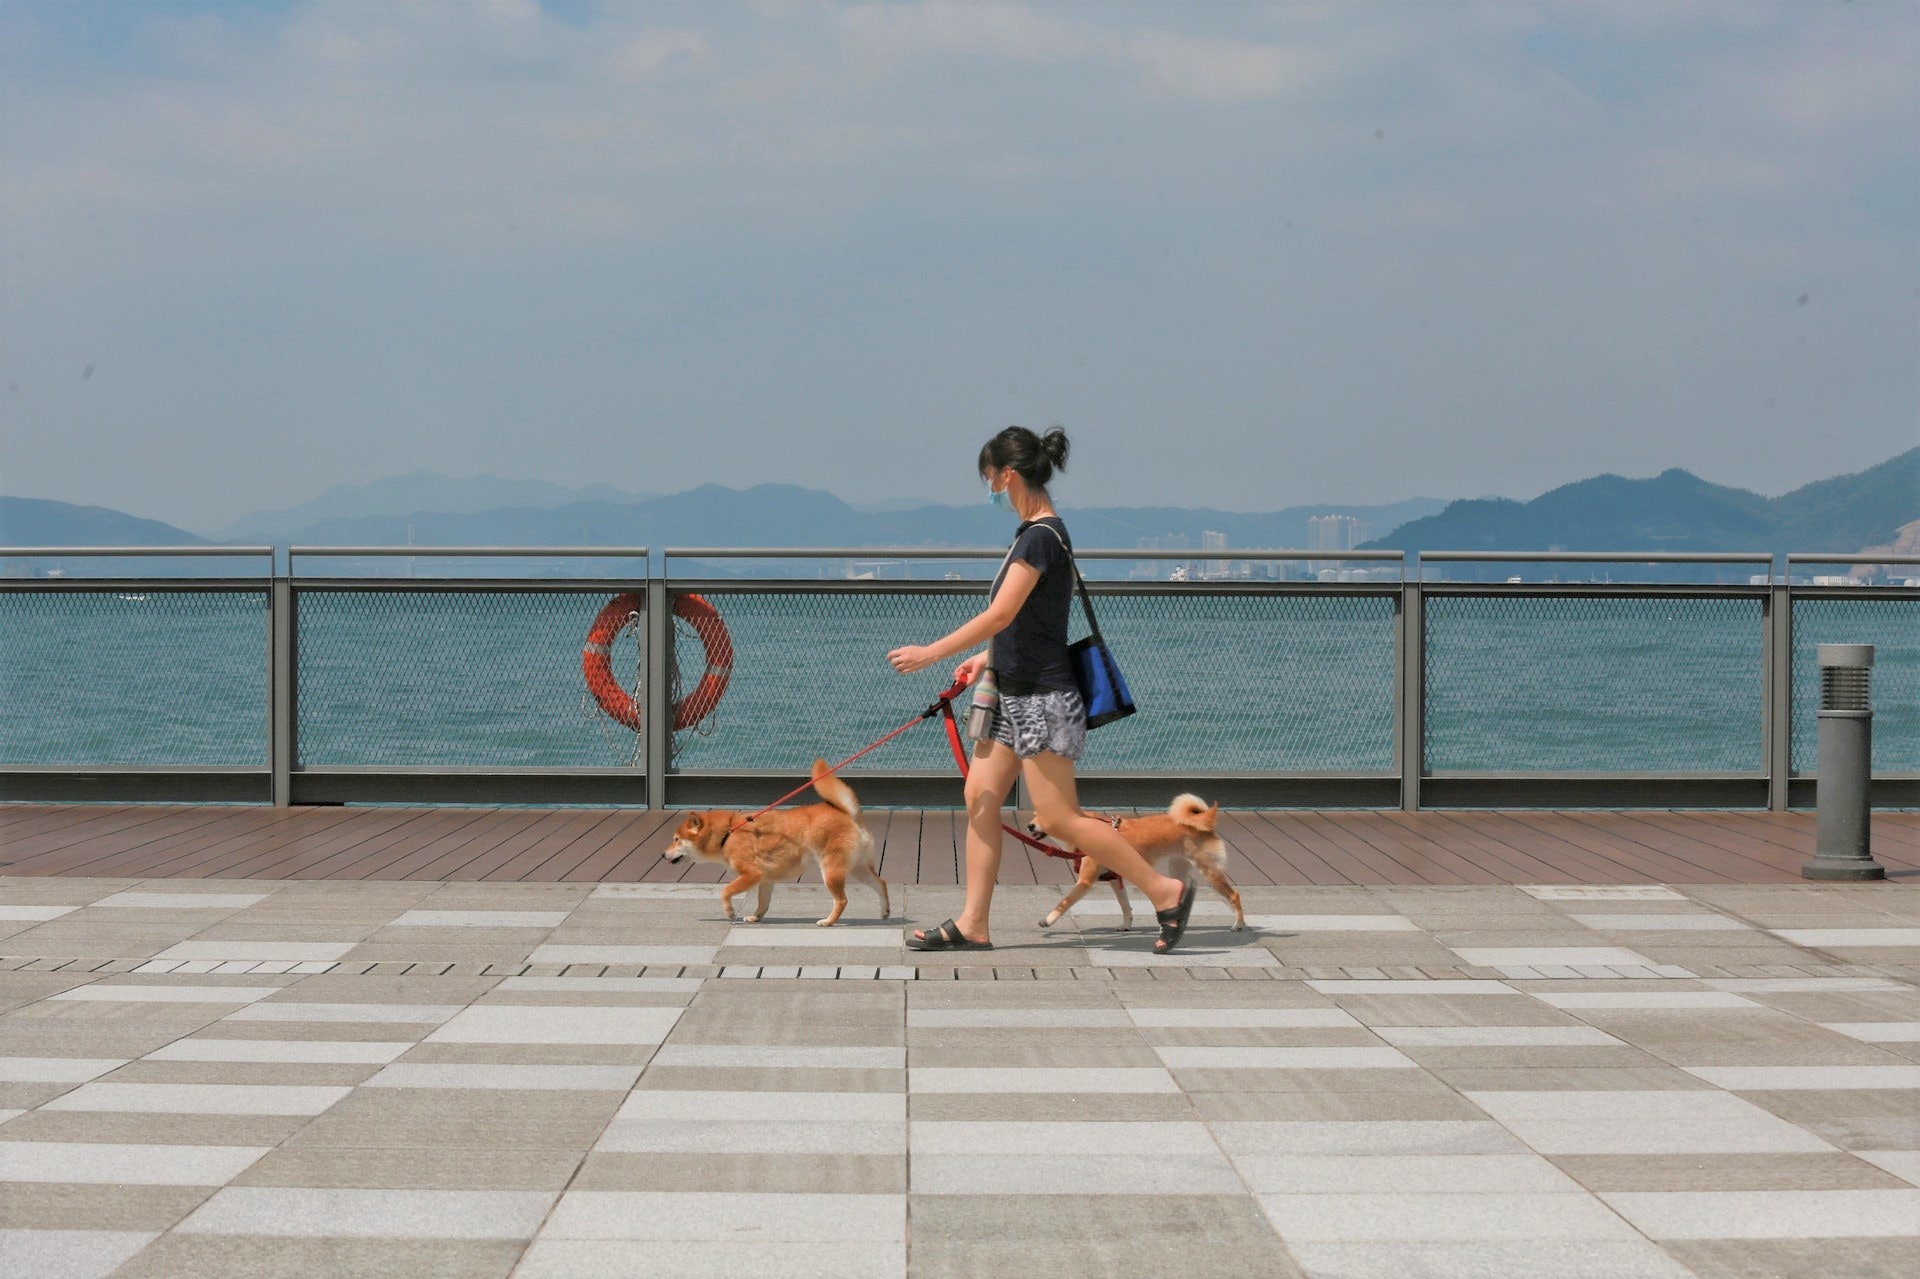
596	660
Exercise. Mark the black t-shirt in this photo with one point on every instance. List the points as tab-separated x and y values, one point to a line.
1030	655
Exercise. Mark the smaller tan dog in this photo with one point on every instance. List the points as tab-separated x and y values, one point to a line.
1185	830
774	846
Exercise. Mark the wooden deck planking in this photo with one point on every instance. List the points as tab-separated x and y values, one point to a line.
1291	846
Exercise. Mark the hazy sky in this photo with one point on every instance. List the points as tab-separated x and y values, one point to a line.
1249	254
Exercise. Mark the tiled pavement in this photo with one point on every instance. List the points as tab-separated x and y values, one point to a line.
254	1078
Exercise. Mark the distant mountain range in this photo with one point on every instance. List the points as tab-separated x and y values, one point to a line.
1678	511
1673	511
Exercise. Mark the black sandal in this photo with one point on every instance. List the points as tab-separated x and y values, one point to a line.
946	937
1173	920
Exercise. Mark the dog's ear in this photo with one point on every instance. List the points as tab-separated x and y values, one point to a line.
696	823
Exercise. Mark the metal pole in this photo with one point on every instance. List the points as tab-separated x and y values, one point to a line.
1776	745
1410	644
1846	766
657	717
280	690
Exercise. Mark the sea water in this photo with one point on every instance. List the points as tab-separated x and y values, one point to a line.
1252	682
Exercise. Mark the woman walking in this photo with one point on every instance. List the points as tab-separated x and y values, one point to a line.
1041	724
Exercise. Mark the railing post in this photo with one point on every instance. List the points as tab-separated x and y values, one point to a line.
1776	717
280	685
1410	649
657	723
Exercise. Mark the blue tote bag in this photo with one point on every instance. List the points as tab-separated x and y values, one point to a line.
1102	687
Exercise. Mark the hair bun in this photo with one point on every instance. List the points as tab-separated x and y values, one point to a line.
1054	443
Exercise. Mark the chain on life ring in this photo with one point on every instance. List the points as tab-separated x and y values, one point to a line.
596	660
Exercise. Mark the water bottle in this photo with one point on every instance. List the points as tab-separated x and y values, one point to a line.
986	706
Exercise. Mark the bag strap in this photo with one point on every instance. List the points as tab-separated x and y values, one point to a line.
1086	600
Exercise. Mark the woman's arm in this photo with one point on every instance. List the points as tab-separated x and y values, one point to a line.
996	617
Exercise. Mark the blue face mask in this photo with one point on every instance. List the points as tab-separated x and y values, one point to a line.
999	500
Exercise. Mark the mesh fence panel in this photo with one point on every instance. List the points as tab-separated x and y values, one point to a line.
133	677
395	677
1892	626
1567	683
1226	683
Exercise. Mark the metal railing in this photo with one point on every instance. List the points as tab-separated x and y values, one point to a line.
297	687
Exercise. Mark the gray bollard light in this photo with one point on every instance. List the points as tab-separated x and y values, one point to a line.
1845	763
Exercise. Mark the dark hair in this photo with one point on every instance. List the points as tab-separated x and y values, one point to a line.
1035	457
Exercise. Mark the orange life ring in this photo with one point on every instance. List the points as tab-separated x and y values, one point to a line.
597	665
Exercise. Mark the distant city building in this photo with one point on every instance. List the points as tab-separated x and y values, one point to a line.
1212	541
1336	532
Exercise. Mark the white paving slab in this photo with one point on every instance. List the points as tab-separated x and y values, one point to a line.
70	1254
1644	1123
1846	938
1304	1174
1904	1164
1408	986
1040	1079
1026	1018
652	1135
1650	1000
201	1099
1489	1259
1771	1214
428	1014
134	899
651	892
1333	923
1088	1138
370	1214
1193	953
258	950
781	1056
1878	1032
1356	1217
1284	1058
56	1070
1494	956
760	1107
103	992
562	1024
1770	1078
1060	1174
13	914
604	985
666	956
481	919
551	1258
1602	892
1801	985
429	1074
322	1051
1367	1137
107	1163
1663	923
727	1216
1241	1018
1494	1036
813	937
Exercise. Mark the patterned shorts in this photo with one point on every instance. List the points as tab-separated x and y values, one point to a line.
1046	721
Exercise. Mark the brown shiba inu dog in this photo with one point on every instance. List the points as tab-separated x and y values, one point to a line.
773	846
1186	830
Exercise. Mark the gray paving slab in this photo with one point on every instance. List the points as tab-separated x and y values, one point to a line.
69	1254
1490	1259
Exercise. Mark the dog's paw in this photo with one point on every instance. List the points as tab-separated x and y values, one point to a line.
1049	921
1239	925
824	923
753	919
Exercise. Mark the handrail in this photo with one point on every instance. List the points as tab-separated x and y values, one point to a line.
1603	557
433	552
46	552
995	552
1803	558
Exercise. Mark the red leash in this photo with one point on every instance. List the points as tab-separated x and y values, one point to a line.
943	707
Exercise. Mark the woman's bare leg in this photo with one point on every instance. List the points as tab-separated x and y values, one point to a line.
1056	805
988	783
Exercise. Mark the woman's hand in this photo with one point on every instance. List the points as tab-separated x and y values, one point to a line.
969	670
911	658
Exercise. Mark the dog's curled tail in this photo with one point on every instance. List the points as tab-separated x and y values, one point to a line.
1191	810
833	790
